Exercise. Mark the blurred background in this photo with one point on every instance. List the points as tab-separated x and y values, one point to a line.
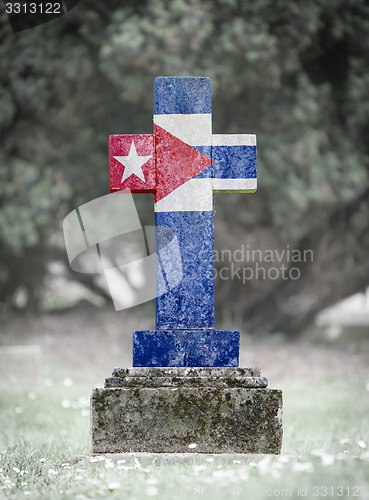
294	73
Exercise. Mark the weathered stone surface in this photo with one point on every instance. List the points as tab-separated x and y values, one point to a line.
252	382
197	347
186	377
194	371
217	420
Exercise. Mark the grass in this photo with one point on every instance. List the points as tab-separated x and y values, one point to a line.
325	451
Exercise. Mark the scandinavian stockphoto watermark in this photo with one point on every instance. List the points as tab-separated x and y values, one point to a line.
104	237
246	263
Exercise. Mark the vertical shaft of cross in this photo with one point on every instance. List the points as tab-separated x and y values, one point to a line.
182	108
185	177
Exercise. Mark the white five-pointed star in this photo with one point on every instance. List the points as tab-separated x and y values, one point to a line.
132	163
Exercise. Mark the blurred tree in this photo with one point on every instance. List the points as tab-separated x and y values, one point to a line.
296	74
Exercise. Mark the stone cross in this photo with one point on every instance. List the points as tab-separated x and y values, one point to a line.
183	163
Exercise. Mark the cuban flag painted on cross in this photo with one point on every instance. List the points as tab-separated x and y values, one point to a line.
183	163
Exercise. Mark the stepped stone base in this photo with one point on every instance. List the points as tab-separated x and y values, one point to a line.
166	410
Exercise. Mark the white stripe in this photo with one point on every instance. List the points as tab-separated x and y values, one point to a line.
234	140
194	195
234	184
194	130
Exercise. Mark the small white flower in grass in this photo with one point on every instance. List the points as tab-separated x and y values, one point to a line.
236	461
67	382
32	396
26	492
122	461
199	467
361	444
284	459
303	467
277	465
327	460
243	474
192	446
341	456
152	480
52	472
8	483
225	474
344	440
114	485
264	464
152	491
83	401
24	483
318	453
65	403
275	473
218	473
18	410
15	469
109	465
42	460
210	459
94	459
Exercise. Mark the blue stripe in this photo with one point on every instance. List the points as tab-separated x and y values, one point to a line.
182	95
191	303
234	162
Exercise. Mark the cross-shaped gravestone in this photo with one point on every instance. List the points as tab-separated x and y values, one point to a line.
183	163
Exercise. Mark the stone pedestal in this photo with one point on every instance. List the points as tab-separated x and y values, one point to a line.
165	410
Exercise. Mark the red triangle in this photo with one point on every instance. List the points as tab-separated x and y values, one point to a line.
176	162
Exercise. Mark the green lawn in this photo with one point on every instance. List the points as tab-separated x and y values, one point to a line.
325	451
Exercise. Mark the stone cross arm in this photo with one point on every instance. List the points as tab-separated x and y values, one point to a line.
183	158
